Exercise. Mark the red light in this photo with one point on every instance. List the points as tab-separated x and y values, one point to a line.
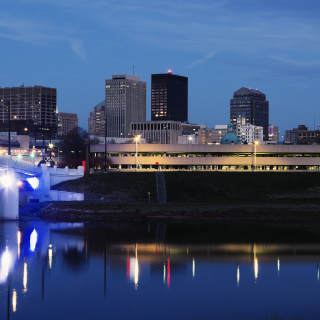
169	71
168	273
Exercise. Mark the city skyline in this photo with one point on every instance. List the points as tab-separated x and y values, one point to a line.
75	45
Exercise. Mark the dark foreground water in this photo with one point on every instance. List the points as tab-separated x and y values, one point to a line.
158	271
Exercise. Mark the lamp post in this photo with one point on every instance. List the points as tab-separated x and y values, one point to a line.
105	144
43	152
50	147
9	147
9	130
137	138
255	153
190	139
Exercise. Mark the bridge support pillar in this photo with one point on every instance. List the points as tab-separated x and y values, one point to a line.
9	195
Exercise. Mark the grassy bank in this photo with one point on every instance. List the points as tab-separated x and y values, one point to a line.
200	186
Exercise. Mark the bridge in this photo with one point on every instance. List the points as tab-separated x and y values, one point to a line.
13	171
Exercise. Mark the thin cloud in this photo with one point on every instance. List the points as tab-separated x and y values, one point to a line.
78	48
202	60
30	32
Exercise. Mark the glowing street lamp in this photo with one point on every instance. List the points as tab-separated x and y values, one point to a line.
137	138
50	147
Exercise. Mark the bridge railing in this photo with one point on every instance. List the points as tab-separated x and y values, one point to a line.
19	165
66	171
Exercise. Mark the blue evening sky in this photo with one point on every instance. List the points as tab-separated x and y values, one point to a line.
74	45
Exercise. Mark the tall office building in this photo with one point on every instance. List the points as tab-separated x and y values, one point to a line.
37	104
67	122
125	102
97	120
169	97
249	106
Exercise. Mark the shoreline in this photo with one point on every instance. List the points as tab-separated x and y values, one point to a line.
278	211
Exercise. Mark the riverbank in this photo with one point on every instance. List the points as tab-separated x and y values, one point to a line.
191	196
289	211
198	187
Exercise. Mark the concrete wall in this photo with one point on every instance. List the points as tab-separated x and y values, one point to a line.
58	175
66	196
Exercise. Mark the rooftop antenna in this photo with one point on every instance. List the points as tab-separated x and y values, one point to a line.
133	70
314	122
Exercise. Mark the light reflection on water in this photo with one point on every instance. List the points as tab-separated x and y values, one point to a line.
72	271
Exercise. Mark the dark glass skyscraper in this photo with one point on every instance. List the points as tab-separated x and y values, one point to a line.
37	105
169	97
249	106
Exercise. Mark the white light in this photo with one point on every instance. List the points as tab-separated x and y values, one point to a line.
33	240
238	275
14	301
34	182
193	268
5	265
19	241
50	258
6	181
256	267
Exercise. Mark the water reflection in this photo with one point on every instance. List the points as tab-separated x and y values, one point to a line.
70	265
238	275
193	268
14	301
33	240
25	277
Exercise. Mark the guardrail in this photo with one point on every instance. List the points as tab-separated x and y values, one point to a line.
66	171
19	165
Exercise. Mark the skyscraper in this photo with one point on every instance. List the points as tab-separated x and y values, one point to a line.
37	104
249	106
67	122
125	102
97	120
169	97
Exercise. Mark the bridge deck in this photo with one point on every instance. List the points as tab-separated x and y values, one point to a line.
19	165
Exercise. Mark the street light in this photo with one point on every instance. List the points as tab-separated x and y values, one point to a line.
255	153
190	139
137	138
9	131
50	147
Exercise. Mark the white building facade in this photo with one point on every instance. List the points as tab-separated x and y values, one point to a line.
164	132
250	133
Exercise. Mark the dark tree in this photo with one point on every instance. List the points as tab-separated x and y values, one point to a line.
98	162
73	147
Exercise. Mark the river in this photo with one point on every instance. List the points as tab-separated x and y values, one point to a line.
158	271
